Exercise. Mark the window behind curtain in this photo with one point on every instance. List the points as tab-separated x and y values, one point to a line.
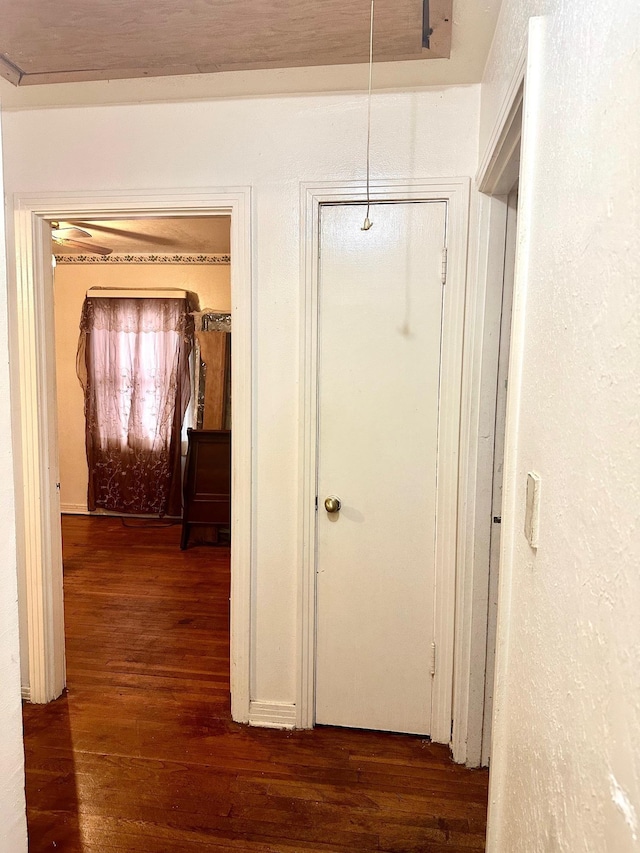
133	362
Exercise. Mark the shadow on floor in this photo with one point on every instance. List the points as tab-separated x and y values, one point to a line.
52	795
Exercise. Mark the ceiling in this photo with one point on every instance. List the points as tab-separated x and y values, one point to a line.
161	50
45	42
184	235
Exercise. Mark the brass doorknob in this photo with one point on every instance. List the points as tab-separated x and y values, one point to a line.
332	504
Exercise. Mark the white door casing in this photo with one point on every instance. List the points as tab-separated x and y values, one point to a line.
455	193
497	172
32	359
380	312
498	464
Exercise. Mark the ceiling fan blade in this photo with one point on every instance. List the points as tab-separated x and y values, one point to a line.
70	230
86	247
71	233
127	232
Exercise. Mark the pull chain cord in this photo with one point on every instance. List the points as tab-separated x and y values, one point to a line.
367	222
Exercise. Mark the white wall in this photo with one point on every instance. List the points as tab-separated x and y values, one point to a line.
566	748
211	283
13	828
272	145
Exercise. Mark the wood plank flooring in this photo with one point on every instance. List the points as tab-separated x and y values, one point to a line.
141	755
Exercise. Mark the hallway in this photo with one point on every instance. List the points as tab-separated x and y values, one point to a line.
141	756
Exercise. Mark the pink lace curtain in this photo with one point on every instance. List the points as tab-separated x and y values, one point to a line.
133	363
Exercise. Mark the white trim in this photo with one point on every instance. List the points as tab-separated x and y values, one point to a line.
495	176
455	192
74	509
272	715
530	134
499	396
476	476
35	454
36	446
496	153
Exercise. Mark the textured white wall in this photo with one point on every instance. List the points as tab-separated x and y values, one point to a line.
272	145
13	828
566	748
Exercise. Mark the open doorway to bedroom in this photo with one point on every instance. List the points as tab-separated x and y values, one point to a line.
36	431
147	612
140	362
142	313
142	339
38	427
138	307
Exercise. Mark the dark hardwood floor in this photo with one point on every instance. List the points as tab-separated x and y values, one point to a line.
141	755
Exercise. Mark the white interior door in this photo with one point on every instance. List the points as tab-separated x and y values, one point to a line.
380	315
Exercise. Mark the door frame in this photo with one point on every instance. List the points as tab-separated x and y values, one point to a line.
455	193
499	435
32	358
508	148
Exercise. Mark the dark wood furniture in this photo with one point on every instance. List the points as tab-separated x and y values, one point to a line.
207	481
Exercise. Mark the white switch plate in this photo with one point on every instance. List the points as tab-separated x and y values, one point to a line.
532	513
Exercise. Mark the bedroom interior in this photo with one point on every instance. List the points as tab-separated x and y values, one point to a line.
148	262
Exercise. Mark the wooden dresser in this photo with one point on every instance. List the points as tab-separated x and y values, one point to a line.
207	481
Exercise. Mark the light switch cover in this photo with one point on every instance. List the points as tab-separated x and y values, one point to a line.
532	513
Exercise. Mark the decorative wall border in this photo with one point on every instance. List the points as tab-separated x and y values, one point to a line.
128	258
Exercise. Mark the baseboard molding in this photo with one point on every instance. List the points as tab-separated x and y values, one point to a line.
26	692
272	715
74	509
81	509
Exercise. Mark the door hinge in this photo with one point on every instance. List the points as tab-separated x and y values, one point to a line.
316	503
433	659
444	265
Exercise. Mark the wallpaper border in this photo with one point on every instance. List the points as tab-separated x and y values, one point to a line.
122	258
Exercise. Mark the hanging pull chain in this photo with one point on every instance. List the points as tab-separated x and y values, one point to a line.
367	222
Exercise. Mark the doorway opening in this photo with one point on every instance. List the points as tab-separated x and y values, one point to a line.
132	360
504	343
484	423
138	381
37	438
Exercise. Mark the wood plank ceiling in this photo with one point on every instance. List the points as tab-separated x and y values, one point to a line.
45	42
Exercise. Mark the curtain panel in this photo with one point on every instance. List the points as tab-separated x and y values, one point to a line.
133	363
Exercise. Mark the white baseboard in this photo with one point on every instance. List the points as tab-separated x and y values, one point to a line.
74	509
272	715
26	692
